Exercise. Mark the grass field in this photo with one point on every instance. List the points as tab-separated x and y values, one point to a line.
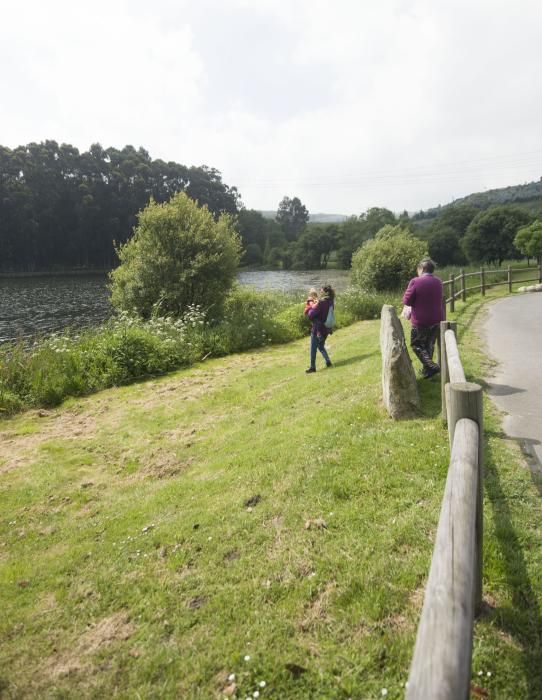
240	529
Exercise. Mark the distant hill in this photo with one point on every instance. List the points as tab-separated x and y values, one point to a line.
527	196
313	218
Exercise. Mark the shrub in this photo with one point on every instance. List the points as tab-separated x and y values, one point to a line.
249	320
359	305
179	256
387	262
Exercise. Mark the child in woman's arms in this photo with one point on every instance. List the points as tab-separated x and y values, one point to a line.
311	301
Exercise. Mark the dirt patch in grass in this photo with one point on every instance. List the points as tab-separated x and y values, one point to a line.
20	450
163	464
110	630
317	611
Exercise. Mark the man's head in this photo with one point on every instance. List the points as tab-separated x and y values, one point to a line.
426	265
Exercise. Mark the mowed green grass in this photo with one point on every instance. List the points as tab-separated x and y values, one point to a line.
239	524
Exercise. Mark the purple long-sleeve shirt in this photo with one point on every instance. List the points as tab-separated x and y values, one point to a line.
318	315
424	294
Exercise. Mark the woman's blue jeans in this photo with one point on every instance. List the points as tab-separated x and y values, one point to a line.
318	343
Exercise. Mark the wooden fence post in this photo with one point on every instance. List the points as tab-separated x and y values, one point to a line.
452	293
483	281
509	279
465	400
463	290
441	663
444	372
444	325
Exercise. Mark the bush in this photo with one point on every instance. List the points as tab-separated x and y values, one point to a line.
387	262
179	256
250	319
357	305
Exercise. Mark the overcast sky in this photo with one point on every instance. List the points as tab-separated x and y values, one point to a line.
346	104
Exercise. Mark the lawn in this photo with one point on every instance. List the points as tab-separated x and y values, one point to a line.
240	529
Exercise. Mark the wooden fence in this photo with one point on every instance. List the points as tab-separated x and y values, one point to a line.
456	286
441	665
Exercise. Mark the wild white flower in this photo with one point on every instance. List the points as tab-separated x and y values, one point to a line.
247	658
231	677
262	684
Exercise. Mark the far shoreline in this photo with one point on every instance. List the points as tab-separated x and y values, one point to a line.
53	273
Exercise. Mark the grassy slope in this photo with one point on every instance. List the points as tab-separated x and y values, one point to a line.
97	605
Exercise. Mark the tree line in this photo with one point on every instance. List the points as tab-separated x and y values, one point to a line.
61	208
65	209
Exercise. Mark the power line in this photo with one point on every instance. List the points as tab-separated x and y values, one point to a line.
419	174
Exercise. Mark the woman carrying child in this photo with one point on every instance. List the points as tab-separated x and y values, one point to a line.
317	310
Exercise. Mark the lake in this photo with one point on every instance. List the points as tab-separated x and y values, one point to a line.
31	305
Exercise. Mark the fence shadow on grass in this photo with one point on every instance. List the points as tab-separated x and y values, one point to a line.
522	619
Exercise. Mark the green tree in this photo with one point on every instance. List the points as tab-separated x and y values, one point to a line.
375	218
350	235
252	255
292	216
490	235
457	217
313	247
528	240
387	261
444	246
179	255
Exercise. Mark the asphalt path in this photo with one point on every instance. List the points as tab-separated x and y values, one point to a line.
513	332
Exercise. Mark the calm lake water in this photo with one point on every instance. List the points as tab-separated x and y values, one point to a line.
31	305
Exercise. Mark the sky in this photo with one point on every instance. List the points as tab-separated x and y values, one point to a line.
346	104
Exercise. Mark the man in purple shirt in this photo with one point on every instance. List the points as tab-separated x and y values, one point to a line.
425	296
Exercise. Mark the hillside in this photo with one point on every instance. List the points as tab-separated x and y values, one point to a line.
528	196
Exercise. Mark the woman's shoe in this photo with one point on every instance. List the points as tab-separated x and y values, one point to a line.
310	370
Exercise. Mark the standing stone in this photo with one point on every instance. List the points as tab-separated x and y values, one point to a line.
399	387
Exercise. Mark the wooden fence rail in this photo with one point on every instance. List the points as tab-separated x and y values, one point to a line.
440	668
455	287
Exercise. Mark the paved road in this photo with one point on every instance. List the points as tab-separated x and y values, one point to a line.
513	333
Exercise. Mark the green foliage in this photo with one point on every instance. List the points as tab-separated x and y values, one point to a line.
388	261
122	350
248	321
60	208
179	256
490	235
528	240
528	196
357	305
444	246
312	249
354	231
292	217
253	255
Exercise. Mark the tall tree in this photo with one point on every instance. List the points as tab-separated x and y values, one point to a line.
292	216
528	240
490	235
62	208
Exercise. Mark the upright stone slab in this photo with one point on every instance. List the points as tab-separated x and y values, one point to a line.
399	387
